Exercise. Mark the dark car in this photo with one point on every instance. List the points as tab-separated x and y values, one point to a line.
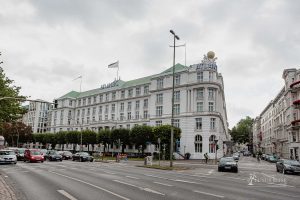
227	164
66	155
236	156
83	156
286	166
20	153
53	155
33	155
272	159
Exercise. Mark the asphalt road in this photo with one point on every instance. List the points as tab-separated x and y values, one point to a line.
70	180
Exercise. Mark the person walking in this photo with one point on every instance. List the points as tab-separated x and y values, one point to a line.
206	157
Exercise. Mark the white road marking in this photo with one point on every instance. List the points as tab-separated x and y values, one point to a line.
141	188
210	194
184	181
109	172
66	194
5	176
24	171
132	177
90	184
163	184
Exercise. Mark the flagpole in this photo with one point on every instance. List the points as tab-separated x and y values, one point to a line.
118	71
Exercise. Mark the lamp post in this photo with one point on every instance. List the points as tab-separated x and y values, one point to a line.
172	117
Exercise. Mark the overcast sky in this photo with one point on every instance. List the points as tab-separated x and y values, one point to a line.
46	44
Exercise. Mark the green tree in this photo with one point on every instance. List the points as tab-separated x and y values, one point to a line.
61	138
88	137
120	134
242	132
10	109
164	133
104	137
16	133
141	135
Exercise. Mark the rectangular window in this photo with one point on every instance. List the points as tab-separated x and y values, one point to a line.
211	106
137	115
70	102
160	83
101	98
95	99
106	109
145	103
121	116
177	96
78	113
113	97
200	93
122	107
89	101
177	79
107	97
200	106
88	120
100	117
79	102
212	123
106	117
199	123
176	123
113	108
176	109
122	94
88	112
159	98
137	105
82	113
84	101
137	91
159	111
158	123
211	94
100	110
129	115
113	117
146	89
145	114
200	76
210	76
128	126
129	106
130	93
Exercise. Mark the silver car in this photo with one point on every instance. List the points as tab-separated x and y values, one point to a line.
8	156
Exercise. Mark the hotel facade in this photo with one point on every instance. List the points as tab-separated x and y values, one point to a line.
199	107
276	130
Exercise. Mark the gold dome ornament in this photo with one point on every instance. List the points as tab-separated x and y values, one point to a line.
210	55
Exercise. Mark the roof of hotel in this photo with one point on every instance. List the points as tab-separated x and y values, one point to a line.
124	84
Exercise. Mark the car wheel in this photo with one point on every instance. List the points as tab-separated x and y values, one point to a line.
81	160
219	169
92	160
283	171
60	160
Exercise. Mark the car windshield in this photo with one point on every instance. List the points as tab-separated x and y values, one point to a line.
224	160
53	152
291	162
7	153
35	152
21	150
67	153
84	154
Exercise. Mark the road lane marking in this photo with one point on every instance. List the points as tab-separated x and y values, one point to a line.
210	194
66	194
141	188
163	184
132	177
184	181
108	172
90	184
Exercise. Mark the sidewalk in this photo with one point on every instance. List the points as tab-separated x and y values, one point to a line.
5	192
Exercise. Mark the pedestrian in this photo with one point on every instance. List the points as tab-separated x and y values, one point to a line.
206	157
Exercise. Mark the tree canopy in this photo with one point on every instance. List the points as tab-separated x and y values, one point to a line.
241	133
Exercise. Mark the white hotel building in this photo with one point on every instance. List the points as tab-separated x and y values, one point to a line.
279	122
199	108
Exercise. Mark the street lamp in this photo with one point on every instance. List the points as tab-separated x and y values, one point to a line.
172	117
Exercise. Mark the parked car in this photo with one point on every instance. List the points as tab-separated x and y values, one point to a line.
66	155
263	156
33	155
83	156
20	153
286	166
44	151
52	155
8	156
236	156
267	157
272	159
227	164
246	153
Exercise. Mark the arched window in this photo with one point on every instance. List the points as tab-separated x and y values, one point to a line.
198	144
212	148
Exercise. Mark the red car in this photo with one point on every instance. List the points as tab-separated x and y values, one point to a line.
33	155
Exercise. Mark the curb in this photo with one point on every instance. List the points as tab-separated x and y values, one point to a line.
5	191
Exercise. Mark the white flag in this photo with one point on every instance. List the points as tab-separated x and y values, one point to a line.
114	65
